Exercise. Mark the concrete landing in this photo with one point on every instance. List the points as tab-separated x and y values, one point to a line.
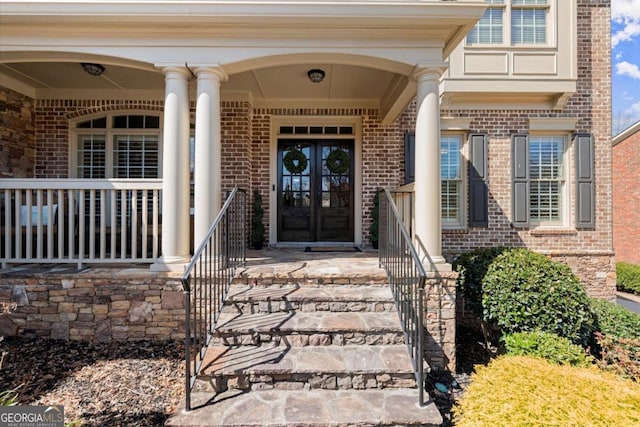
389	407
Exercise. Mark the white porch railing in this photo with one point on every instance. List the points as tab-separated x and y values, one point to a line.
79	220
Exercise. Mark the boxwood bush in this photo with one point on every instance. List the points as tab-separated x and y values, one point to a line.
471	267
526	291
547	346
628	277
614	320
526	391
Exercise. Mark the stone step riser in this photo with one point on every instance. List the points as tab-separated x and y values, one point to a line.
310	281
252	307
303	381
302	339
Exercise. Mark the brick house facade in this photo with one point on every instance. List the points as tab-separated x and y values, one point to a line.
625	195
36	134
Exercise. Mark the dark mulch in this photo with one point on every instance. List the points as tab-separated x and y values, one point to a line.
141	383
470	351
113	384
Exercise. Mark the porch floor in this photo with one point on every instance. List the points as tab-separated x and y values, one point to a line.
274	263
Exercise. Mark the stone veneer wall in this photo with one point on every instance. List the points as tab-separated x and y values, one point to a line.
17	135
94	307
440	320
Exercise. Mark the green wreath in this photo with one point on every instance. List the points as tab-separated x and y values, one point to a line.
338	162
295	161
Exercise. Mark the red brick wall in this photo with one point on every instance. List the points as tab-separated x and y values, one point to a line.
236	130
626	199
17	135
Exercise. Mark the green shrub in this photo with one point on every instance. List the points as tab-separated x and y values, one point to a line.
628	277
614	320
547	346
620	355
523	391
526	291
471	267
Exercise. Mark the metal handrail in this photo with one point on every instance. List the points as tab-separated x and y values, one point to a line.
407	278
207	278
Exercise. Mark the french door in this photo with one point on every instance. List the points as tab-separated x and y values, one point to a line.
315	190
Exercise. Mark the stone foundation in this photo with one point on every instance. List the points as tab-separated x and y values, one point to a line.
440	320
92	307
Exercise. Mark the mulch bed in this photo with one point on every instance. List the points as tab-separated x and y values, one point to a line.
141	382
109	384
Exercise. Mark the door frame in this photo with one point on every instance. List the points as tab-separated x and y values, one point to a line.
276	123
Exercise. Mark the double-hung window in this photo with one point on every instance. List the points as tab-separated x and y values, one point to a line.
547	180
489	29
514	22
529	22
540	196
451	181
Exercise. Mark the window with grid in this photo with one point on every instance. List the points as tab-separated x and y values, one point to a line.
529	22
118	146
547	179
451	180
526	23
121	146
489	28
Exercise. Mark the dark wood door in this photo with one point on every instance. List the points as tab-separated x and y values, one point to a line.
315	190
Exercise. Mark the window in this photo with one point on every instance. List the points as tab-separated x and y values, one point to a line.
527	18
540	196
452	175
547	179
529	22
451	180
119	146
488	30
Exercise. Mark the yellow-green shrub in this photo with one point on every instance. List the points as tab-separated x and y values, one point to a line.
514	391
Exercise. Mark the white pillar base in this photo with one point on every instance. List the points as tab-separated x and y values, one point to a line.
170	265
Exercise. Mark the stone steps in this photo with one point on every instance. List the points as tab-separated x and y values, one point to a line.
302	329
389	407
303	368
299	349
336	298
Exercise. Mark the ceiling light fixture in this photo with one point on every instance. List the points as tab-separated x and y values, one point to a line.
93	69
316	75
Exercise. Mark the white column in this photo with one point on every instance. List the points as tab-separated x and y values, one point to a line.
175	172
427	167
207	176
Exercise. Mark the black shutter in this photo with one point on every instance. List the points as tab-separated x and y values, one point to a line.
520	180
409	157
478	191
585	182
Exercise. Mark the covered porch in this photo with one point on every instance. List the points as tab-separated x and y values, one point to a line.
222	109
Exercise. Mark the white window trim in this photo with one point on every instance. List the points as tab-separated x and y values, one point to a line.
551	27
565	192
463	196
110	132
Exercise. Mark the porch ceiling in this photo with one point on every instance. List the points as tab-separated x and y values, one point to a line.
278	85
